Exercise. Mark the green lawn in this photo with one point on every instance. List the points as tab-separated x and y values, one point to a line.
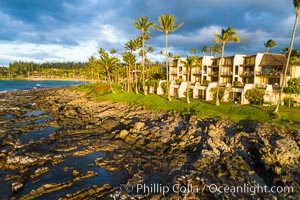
289	117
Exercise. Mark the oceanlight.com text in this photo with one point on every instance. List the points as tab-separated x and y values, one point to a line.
248	189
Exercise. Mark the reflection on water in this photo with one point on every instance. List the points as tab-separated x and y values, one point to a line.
59	174
37	135
34	113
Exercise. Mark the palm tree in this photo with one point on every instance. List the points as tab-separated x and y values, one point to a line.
130	59
176	56
193	51
143	24
166	25
282	82
215	49
228	35
189	63
204	50
92	65
108	62
133	45
270	44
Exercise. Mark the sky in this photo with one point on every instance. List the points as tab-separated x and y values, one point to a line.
74	30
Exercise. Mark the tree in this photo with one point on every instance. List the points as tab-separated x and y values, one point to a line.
189	63
150	50
228	35
282	82
295	54
166	25
293	88
204	50
270	44
93	66
108	62
193	51
130	59
133	45
215	49
143	24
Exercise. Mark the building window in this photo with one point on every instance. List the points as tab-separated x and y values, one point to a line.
236	70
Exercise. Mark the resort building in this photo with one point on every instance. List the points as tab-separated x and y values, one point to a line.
238	74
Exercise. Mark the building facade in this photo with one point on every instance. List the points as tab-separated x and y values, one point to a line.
238	74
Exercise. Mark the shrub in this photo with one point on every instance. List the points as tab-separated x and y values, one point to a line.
164	87
255	96
213	92
152	83
205	82
237	84
179	81
288	100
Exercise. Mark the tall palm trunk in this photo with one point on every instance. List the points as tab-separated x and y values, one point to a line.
143	63
283	81
188	86
128	77
167	68
219	75
135	79
109	81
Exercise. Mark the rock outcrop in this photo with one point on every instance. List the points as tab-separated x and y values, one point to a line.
139	146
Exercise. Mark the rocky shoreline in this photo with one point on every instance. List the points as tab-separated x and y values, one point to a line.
60	144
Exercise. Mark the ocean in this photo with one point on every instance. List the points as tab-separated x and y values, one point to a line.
8	85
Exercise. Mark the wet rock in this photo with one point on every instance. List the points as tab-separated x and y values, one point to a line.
122	135
39	172
17	186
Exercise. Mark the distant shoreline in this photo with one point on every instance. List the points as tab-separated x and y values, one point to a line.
48	79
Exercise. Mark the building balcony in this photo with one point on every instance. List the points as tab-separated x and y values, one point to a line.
247	74
214	74
197	73
247	65
173	72
214	66
226	74
182	72
269	74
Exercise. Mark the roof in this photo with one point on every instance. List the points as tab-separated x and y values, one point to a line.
273	60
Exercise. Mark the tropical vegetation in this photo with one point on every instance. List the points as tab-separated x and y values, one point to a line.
226	35
296	4
144	75
167	24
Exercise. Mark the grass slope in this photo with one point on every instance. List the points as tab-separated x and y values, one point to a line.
289	117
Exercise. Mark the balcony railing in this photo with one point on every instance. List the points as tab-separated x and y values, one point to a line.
248	65
247	74
276	73
197	73
215	74
226	73
173	72
214	66
182	72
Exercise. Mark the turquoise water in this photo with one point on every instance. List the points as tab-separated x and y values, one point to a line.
8	85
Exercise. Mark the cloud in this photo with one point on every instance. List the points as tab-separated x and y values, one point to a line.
43	28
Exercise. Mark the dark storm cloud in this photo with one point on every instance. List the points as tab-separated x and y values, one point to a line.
108	24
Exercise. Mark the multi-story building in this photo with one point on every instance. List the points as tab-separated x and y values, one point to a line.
237	74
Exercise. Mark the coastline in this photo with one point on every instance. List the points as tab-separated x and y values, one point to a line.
49	79
62	130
